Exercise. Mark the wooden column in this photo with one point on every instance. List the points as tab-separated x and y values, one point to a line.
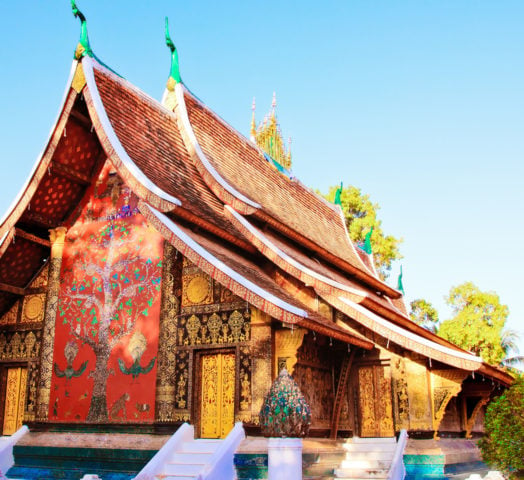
57	237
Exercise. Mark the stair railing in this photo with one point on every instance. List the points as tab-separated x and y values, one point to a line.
221	463
185	433
6	448
397	471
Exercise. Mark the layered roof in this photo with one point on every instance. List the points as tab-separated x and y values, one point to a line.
190	168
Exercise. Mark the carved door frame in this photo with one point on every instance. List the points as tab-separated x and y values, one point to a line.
197	383
4	369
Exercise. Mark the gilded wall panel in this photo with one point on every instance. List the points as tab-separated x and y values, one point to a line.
20	345
224	327
182	411
261	360
420	416
32	379
9	318
400	394
33	308
244	381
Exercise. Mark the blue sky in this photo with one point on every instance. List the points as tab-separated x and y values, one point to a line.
418	103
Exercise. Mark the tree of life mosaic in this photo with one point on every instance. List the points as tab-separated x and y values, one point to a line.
107	324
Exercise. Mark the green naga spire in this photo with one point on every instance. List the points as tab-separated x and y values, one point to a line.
174	74
83	48
367	242
338	194
400	285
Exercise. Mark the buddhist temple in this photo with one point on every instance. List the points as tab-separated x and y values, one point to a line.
158	267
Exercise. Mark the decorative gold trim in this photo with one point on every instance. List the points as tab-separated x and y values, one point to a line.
79	79
287	343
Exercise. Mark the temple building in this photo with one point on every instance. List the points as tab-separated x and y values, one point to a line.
158	268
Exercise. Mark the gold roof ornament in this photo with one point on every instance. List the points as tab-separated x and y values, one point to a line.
268	137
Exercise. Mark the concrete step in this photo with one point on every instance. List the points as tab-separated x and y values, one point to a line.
360	473
365	465
370	455
175	477
368	447
374	440
183	468
199	446
190	457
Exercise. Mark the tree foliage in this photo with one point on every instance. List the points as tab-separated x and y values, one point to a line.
361	214
503	442
424	314
478	322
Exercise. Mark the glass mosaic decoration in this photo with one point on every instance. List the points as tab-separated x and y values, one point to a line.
285	412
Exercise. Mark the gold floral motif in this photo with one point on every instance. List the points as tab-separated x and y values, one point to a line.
193	326
33	308
197	289
236	322
213	325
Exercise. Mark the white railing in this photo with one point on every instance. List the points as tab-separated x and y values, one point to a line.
6	448
185	433
221	465
397	470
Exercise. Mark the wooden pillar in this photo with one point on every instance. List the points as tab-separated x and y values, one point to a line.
57	237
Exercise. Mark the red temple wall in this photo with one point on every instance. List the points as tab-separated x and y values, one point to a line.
107	324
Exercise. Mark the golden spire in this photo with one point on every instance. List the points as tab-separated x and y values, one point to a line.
269	138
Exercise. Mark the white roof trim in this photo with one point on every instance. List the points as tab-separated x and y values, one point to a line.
410	335
224	268
87	62
253	230
17	199
3	238
179	90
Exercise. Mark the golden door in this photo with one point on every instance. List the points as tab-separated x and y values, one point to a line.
14	400
374	394
217	404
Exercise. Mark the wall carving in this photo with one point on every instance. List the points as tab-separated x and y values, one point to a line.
41	279
20	345
400	394
32	379
182	411
445	384
420	416
217	328
33	308
244	381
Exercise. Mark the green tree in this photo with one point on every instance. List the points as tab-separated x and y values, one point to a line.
478	322
503	442
361	214
424	314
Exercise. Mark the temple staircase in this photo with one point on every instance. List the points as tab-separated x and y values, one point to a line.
185	458
367	458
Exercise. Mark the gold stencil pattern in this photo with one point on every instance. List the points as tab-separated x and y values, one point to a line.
19	345
197	289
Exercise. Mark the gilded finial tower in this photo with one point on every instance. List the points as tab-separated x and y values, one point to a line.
269	137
